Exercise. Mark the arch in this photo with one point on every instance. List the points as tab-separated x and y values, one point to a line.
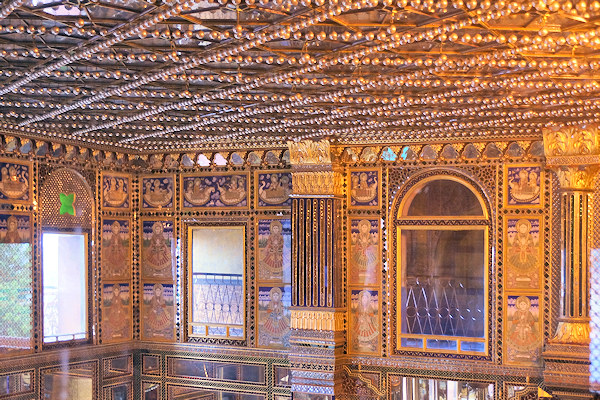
430	197
401	195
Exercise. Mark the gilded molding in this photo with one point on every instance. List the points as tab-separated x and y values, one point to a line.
309	152
317	320
317	183
571	332
574	154
576	177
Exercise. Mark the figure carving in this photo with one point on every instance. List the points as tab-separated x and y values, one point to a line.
155	195
11	185
116	316
278	191
115	254
115	193
275	325
523	335
157	254
235	193
361	190
365	325
158	316
271	261
196	193
364	259
12	231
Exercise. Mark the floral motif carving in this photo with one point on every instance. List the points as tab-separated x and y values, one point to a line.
572	333
310	152
574	154
571	141
577	177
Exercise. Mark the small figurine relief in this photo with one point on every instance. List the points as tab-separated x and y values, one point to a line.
274	247
365	321
14	183
196	193
523	185
364	251
115	314
15	228
215	191
157	193
523	335
115	191
158	311
157	258
274	316
115	249
364	188
274	189
523	253
232	192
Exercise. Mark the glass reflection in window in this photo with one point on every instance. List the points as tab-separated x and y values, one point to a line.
217	281
64	265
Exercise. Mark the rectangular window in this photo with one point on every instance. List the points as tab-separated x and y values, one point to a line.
216	281
64	274
15	297
442	290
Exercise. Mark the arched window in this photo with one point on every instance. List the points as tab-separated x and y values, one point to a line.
67	218
442	260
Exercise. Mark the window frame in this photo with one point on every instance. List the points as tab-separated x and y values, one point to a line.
401	222
88	289
189	324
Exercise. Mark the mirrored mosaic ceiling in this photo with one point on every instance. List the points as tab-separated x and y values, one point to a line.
169	75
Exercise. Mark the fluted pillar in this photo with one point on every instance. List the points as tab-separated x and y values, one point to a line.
573	153
317	312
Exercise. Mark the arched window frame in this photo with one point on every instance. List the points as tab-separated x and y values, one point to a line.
400	222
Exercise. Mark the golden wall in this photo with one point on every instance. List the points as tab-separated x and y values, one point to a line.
141	213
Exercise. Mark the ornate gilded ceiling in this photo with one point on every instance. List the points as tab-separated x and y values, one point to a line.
173	75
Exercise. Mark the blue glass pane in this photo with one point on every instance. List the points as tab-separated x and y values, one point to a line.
415	343
217	331
473	346
442	344
236	332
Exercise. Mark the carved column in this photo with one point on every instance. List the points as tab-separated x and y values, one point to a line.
574	154
317	310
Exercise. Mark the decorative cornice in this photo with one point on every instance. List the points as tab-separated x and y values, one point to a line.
310	183
318	320
574	154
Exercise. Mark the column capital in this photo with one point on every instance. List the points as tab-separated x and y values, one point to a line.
314	172
310	153
573	152
573	332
